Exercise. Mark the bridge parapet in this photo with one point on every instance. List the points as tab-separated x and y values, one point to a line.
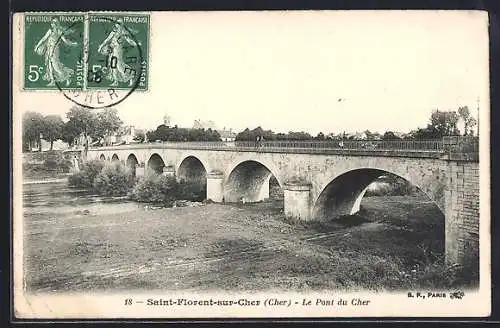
455	147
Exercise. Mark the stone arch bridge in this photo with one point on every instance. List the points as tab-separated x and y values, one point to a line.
321	180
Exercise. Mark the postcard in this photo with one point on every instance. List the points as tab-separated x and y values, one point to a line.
251	164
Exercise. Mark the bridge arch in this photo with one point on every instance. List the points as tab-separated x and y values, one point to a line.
102	157
155	163
249	180
115	157
132	163
192	169
343	194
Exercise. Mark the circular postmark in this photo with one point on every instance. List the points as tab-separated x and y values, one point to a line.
109	66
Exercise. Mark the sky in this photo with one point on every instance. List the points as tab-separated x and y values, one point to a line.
329	71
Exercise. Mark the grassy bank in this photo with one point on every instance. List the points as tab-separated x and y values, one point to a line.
234	247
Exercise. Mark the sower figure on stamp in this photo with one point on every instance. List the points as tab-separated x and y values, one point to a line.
48	47
113	46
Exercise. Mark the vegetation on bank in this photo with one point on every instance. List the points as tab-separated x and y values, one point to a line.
52	164
116	179
85	177
392	185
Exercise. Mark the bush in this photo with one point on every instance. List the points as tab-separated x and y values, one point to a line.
115	179
64	164
155	188
166	190
79	179
85	177
50	164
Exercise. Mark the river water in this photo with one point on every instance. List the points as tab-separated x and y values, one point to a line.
56	194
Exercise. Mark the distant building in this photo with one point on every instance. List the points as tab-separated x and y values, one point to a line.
124	135
400	134
81	141
199	124
227	135
167	120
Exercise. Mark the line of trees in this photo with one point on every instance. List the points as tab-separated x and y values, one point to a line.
441	123
251	135
80	122
35	125
445	123
167	133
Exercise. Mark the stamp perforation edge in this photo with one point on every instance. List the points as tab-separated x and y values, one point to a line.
22	29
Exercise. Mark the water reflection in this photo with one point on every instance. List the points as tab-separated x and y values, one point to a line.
60	194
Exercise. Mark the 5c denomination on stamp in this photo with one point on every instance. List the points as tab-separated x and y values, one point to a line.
118	51
53	51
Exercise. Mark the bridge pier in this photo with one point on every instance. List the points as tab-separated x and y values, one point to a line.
140	170
297	200
215	189
169	171
264	190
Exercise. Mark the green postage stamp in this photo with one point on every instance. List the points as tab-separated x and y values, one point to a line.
86	51
53	51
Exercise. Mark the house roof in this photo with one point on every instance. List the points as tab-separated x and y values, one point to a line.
227	134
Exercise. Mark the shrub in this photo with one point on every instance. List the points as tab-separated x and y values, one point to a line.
115	179
50	164
155	188
64	164
166	190
85	177
79	179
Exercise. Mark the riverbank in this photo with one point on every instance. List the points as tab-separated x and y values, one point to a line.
44	176
95	244
47	180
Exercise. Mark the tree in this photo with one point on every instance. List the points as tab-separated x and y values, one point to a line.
251	135
69	132
81	121
166	133
139	136
84	120
320	136
107	123
369	135
32	127
427	133
469	121
444	122
299	136
389	135
52	128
